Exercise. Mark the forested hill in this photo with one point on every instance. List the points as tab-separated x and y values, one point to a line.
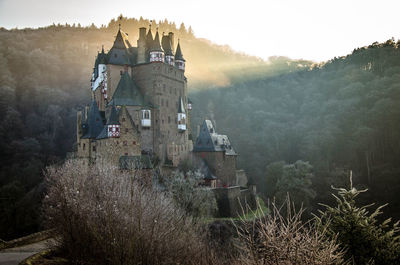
340	116
44	79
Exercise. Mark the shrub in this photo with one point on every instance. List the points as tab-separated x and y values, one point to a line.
105	216
195	200
278	239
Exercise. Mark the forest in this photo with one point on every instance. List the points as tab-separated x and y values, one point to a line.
298	126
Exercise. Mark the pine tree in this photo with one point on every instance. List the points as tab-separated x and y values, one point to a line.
365	239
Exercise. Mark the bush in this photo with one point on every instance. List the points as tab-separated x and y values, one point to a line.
105	216
275	239
366	240
197	201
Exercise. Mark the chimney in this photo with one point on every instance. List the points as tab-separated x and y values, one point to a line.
142	33
171	37
141	44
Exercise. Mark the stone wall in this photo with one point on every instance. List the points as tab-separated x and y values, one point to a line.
222	166
232	200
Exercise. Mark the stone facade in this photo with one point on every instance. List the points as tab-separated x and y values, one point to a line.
146	83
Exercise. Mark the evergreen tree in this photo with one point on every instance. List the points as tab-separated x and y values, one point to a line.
366	240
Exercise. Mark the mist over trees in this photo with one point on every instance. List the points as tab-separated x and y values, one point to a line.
341	115
344	114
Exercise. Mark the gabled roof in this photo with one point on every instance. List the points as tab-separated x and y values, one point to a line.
167	45
135	162
119	57
178	54
209	141
156	47
94	122
181	108
127	93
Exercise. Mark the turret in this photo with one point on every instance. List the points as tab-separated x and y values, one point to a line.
166	43
181	116
156	52
141	44
179	61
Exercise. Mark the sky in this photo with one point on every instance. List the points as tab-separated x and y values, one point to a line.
300	29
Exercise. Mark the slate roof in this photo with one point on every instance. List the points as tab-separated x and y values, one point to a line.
113	119
156	47
167	45
121	41
127	93
181	108
209	141
149	39
178	54
94	122
135	162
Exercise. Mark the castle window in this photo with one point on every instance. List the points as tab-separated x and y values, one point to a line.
126	154
162	121
169	119
121	72
123	119
125	143
211	130
94	148
134	142
126	130
84	146
115	55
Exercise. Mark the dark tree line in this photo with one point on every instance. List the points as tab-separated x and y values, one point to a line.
342	115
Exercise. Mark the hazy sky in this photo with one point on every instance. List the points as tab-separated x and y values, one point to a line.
309	29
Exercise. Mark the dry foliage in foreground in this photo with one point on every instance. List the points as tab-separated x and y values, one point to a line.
278	239
105	216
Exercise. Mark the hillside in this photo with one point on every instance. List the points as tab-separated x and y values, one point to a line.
45	77
340	116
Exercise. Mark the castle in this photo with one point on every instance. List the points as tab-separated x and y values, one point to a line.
140	112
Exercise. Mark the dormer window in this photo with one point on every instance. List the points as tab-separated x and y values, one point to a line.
146	118
113	131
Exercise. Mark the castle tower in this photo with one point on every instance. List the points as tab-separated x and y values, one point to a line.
179	61
156	52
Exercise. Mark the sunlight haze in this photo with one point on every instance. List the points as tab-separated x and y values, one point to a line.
314	30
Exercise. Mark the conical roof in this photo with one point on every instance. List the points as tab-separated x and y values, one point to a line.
113	119
178	53
156	47
181	108
149	39
167	45
121	41
94	121
127	93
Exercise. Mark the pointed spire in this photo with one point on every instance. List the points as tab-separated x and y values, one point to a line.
121	40
149	38
178	53
113	119
156	47
94	121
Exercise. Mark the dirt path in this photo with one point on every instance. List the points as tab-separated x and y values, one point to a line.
13	256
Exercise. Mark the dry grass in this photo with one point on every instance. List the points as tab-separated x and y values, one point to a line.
285	239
